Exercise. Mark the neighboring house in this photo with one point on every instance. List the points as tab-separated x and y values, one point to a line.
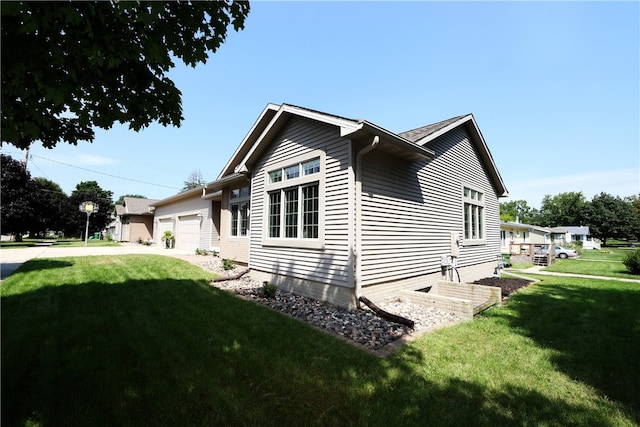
335	208
512	233
133	220
573	234
193	217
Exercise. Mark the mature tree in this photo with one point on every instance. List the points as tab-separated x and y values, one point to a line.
634	201
563	209
194	180
52	206
17	208
71	66
520	209
90	191
120	201
610	217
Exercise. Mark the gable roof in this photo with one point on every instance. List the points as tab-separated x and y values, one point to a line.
426	134
424	131
411	145
521	226
274	118
135	206
572	229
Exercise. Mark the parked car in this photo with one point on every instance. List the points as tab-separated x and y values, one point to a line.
560	251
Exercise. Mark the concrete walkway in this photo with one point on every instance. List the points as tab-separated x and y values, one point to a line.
538	270
12	259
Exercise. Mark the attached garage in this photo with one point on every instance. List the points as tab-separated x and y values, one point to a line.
164	224
189	215
188	233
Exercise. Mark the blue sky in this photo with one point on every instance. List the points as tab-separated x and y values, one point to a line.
554	87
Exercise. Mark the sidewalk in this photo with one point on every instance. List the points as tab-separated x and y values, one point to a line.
12	259
538	270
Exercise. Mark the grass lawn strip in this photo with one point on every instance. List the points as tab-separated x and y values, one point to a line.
143	339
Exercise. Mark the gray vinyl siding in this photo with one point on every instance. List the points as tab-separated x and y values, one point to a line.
330	265
409	210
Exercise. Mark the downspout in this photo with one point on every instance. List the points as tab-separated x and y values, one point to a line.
358	217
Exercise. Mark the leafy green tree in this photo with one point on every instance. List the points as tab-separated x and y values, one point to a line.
520	209
71	66
610	217
52	206
563	209
18	193
90	191
194	180
634	201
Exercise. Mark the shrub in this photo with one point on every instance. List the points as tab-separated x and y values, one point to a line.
227	264
269	290
632	261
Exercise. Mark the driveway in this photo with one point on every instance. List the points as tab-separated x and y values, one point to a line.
12	259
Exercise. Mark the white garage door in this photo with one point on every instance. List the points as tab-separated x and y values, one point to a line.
188	235
163	225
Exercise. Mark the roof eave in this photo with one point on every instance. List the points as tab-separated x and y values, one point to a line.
390	142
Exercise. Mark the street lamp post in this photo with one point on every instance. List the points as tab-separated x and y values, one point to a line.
88	208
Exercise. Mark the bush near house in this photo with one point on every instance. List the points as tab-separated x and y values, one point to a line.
632	261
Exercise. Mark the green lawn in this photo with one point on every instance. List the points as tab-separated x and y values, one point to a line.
144	340
27	243
594	267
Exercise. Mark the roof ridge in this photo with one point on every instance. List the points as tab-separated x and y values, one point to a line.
422	131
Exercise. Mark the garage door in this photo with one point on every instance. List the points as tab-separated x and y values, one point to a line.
163	225
188	235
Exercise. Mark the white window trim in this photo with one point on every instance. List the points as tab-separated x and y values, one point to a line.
297	242
483	240
238	201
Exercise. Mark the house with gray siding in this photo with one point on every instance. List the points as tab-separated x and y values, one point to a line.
337	208
192	216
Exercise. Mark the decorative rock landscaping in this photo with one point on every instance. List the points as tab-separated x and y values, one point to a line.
362	326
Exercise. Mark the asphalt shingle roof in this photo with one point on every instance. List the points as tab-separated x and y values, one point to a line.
415	135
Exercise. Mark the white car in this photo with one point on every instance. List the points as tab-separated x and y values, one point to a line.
560	251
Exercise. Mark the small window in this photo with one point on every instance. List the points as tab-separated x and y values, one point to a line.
473	214
239	211
275	176
292	172
311	167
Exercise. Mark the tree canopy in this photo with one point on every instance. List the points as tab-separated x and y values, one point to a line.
90	191
72	66
520	209
194	180
17	211
563	209
611	217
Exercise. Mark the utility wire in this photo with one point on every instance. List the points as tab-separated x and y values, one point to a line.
106	174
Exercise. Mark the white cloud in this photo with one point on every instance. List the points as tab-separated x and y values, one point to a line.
621	182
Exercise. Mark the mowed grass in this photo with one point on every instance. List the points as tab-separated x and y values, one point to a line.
595	263
28	243
144	340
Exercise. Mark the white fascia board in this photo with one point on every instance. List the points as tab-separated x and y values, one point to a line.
486	153
345	125
269	107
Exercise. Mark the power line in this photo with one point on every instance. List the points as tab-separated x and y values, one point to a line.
103	173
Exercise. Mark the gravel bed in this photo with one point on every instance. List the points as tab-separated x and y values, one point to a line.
362	326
